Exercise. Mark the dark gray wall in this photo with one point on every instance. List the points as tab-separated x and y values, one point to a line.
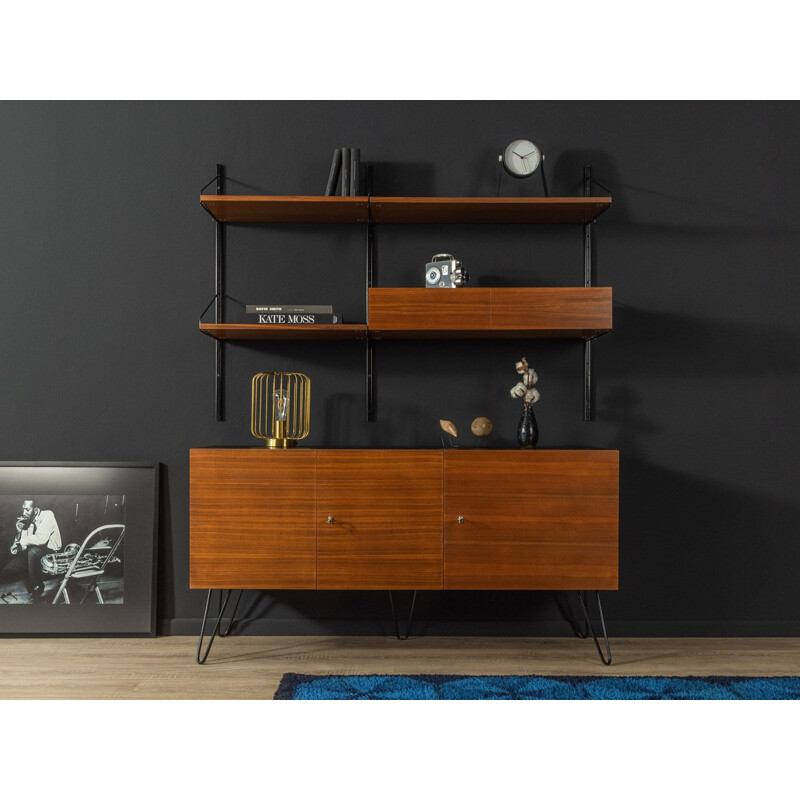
107	260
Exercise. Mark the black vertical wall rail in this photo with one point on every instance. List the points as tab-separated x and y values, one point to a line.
368	278
219	308
588	405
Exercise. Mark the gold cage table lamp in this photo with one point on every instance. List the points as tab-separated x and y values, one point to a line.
280	407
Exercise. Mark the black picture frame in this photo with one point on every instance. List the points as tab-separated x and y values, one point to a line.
134	613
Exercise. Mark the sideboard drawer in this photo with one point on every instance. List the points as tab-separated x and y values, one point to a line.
251	519
531	519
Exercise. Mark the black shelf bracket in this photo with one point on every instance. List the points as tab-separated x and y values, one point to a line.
219	307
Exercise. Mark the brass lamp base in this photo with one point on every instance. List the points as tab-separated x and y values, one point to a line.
280	443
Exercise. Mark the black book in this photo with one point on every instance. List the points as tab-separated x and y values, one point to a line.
294	319
333	178
278	308
345	171
355	170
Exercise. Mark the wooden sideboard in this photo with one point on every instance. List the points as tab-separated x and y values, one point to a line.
403	519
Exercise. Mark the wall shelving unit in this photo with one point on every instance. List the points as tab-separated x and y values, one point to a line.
411	519
418	313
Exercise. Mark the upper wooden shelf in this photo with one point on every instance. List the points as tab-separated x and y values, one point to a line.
473	210
279	208
412	210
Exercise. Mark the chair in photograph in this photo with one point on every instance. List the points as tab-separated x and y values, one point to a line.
91	560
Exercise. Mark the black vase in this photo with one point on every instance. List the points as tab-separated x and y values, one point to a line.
528	430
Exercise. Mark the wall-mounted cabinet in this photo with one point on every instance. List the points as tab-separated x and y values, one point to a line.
542	312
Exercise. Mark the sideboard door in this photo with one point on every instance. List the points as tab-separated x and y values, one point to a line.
531	519
385	512
251	519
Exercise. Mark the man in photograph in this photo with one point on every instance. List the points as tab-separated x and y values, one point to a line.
37	535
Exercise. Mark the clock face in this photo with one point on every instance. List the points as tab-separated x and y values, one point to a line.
522	158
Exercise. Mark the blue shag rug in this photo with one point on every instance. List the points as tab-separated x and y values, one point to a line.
294	686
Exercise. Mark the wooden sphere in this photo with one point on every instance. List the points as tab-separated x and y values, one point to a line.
481	426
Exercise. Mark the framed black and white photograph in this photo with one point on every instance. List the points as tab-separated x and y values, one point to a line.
78	548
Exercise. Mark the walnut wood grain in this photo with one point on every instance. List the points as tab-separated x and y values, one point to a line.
280	208
251	519
424	312
549	308
532	519
538	312
478	210
261	332
386	507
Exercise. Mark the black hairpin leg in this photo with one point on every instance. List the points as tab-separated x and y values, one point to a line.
410	615
222	634
573	622
591	629
202	660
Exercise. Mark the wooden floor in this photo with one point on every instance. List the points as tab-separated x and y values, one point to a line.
250	667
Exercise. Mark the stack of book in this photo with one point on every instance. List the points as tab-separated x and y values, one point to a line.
347	163
276	314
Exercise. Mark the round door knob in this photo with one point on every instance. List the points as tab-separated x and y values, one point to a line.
330	520
461	520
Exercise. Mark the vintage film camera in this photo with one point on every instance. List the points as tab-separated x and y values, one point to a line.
444	272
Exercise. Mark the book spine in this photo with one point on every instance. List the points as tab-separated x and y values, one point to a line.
333	177
355	171
274	308
294	319
345	171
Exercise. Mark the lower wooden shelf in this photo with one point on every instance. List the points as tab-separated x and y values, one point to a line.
241	332
470	313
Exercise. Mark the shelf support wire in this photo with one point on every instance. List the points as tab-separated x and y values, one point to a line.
219	308
588	279
208	184
213	300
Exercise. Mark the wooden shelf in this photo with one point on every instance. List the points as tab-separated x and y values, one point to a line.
410	210
242	332
479	313
257	208
477	210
